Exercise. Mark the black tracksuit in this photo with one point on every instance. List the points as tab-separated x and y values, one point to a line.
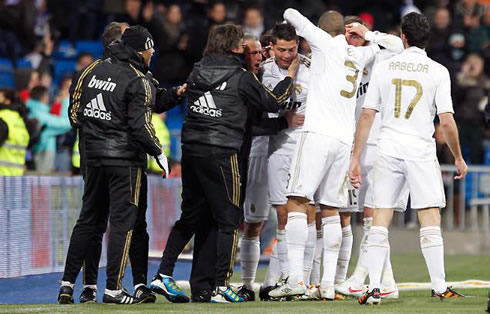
110	101
220	95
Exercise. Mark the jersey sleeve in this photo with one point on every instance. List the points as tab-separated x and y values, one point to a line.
313	34
389	42
364	54
373	96
442	98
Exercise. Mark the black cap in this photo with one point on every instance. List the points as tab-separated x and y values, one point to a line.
138	38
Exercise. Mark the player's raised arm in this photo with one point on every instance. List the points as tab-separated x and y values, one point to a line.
313	34
389	42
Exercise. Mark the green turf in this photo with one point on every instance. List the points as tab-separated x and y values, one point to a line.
406	268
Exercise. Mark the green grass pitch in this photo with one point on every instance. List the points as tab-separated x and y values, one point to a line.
407	268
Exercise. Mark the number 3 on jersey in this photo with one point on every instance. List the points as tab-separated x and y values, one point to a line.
352	79
398	95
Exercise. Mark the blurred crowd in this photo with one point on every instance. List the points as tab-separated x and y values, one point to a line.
41	47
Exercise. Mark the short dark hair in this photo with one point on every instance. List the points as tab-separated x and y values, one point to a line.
349	19
38	92
332	22
112	32
283	31
416	28
223	39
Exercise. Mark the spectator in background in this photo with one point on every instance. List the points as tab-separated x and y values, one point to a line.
25	80
467	14
439	48
45	149
253	22
14	136
479	38
470	92
83	60
170	65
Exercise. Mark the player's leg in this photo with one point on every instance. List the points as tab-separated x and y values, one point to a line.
310	244
345	247
389	175
317	260
94	209
427	195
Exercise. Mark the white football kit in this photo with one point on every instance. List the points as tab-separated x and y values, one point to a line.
283	144
320	163
256	206
408	90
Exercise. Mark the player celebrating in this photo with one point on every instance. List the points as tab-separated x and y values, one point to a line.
355	34
408	90
319	167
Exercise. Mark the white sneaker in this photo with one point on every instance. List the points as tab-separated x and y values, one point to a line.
349	288
322	293
389	292
287	290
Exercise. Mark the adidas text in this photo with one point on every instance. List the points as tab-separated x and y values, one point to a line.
205	105
101	84
96	109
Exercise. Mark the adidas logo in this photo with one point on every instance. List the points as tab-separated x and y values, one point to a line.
148	43
96	109
101	84
205	105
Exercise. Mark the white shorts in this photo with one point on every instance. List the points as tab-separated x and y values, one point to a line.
319	170
278	173
423	177
352	200
365	193
256	206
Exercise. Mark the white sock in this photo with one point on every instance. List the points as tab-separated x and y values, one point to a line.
112	293
332	239
67	283
273	273
377	249
249	260
282	252
93	287
433	250
387	279
309	253
361	272
317	260
164	276
344	254
297	233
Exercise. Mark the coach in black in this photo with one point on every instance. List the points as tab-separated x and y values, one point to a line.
110	101
220	92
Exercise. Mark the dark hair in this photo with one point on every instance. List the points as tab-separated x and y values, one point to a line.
223	39
416	29
38	92
349	19
332	22
112	32
283	31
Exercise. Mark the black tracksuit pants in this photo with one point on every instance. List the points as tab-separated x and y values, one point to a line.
210	210
138	252
109	192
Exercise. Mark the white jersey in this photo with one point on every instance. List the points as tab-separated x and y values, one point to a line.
393	45
284	141
408	90
335	74
260	146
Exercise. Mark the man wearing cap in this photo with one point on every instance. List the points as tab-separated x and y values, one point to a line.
110	102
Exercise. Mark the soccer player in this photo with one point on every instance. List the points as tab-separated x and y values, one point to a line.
362	200
408	90
284	44
319	167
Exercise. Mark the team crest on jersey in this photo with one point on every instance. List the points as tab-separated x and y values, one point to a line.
298	89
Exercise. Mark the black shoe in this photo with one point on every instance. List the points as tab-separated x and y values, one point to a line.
122	298
88	295
65	295
264	293
144	295
371	297
246	294
203	296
